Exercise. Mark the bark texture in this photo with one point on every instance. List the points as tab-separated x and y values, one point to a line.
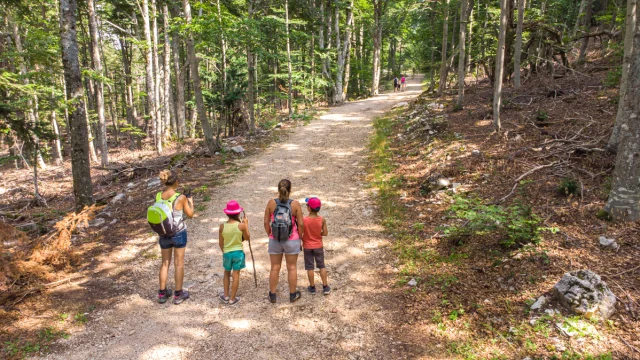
624	199
497	83
197	87
80	165
97	68
622	116
518	49
443	59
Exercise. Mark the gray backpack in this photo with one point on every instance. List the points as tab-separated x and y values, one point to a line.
282	224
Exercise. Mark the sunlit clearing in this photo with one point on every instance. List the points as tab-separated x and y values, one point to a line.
242	324
162	351
290	146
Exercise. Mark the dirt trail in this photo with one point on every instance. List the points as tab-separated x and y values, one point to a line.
325	158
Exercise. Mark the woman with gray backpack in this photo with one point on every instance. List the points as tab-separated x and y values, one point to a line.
166	217
283	223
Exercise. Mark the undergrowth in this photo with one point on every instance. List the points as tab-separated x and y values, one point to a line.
515	225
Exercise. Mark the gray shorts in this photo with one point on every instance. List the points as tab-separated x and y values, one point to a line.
289	247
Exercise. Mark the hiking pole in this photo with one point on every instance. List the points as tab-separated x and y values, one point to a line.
253	261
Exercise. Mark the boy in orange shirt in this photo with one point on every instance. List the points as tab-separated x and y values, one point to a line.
315	227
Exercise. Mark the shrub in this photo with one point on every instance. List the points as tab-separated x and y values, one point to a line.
515	224
568	186
613	77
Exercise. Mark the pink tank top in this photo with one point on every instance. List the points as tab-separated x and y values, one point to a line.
294	232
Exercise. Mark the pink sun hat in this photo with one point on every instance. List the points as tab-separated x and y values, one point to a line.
233	208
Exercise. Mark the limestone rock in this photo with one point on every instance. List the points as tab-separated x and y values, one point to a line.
238	149
608	243
118	198
435	182
412	282
539	303
584	293
400	104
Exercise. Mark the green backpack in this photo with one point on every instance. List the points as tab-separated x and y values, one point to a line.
160	215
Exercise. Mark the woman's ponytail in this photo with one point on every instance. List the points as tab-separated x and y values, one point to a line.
284	190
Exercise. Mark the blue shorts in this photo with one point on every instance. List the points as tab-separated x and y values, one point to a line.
233	260
178	240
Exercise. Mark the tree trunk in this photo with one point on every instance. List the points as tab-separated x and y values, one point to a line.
463	54
57	148
497	84
197	89
469	46
347	68
180	106
622	116
587	26
159	95
583	5
518	49
32	103
150	80
250	70
97	64
443	65
168	96
80	166
624	199
379	7
286	18
344	51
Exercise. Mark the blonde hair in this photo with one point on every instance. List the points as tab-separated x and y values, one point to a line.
284	190
168	177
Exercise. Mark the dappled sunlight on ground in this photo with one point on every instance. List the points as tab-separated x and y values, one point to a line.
326	159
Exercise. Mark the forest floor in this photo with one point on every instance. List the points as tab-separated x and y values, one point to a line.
523	208
117	315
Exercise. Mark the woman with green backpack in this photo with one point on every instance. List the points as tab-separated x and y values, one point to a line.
166	218
283	222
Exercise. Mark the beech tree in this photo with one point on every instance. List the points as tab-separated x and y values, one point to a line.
80	166
624	200
498	74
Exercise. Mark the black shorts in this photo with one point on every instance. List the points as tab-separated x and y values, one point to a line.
313	254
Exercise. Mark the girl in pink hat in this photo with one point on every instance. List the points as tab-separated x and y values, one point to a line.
231	235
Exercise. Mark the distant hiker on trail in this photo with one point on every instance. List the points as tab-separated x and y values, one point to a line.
396	84
166	218
315	227
283	222
403	81
231	235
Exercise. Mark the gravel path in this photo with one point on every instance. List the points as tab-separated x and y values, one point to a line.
325	158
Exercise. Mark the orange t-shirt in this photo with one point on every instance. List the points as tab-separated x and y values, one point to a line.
312	238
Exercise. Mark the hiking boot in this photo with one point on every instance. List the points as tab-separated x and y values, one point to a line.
326	289
295	296
162	298
180	296
234	302
224	299
311	289
272	297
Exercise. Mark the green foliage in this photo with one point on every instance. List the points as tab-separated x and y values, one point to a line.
603	215
515	224
542	115
613	77
568	186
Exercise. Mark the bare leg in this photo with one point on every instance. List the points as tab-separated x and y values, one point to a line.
164	268
274	274
234	286
292	271
323	276
225	281
178	262
311	276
